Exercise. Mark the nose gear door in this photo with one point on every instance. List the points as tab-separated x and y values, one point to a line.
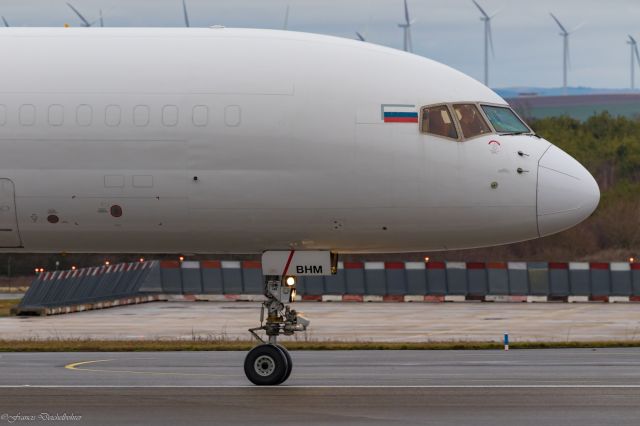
9	235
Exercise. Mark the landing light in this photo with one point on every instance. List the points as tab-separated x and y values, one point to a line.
291	281
632	260
426	259
181	258
73	268
141	259
107	263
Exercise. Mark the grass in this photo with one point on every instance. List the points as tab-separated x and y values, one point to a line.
6	305
89	345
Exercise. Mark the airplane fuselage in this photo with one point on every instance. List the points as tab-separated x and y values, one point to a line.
240	141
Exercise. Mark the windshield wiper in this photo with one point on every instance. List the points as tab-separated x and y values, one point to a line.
519	133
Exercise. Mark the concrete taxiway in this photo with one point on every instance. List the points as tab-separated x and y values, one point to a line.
405	322
530	387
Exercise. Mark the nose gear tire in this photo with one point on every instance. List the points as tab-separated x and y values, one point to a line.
266	365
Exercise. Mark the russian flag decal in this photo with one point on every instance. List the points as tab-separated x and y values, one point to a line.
399	113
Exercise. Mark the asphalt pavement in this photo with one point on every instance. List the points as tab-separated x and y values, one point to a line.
527	387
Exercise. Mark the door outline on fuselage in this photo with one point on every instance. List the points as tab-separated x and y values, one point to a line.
11	225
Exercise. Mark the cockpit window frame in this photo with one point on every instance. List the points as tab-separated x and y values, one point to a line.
480	104
453	120
456	121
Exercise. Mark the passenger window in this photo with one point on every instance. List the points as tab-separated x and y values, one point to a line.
56	115
84	115
437	120
170	115
141	115
27	115
112	115
200	115
471	122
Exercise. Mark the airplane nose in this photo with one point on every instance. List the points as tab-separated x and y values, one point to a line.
567	193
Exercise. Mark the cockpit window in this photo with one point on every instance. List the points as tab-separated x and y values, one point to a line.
437	121
504	120
471	121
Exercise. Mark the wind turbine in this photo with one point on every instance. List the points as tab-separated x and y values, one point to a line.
488	39
406	26
285	24
85	22
565	57
186	15
4	21
360	36
634	55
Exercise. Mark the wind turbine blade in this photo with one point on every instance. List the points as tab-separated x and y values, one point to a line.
635	49
82	18
285	25
186	14
406	13
578	27
481	9
496	12
564	30
6	24
493	52
633	40
360	36
101	19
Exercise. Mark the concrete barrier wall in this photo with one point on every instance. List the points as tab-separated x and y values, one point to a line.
554	280
355	281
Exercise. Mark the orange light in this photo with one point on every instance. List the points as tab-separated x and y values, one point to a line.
37	270
107	263
631	260
142	259
426	259
73	268
181	258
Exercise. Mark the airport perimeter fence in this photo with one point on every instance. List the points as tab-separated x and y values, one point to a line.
433	281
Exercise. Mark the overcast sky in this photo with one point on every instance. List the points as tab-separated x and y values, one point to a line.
528	48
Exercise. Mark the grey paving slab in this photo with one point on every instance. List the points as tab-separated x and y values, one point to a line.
415	322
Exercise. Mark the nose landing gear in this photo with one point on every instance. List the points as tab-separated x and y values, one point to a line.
270	364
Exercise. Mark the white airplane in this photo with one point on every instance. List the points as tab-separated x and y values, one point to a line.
257	141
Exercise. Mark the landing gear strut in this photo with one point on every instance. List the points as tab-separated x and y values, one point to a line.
269	363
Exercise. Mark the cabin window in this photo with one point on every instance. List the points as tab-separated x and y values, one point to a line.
27	115
232	115
112	115
84	115
504	120
471	122
56	115
436	120
200	115
141	115
170	115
